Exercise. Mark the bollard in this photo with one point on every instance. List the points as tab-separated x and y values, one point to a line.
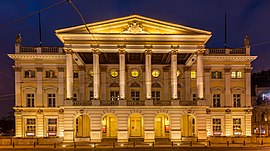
190	144
172	144
34	144
54	145
153	144
228	143
244	143
209	143
134	144
261	142
113	144
13	144
75	145
94	145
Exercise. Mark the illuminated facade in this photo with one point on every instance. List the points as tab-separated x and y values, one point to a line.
132	77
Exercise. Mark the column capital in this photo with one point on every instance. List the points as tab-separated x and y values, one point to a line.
148	52
174	52
227	69
81	68
68	50
207	69
60	69
187	68
96	51
174	47
248	69
122	51
39	69
17	68
200	51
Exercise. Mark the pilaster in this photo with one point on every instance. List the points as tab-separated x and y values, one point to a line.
61	97
248	86
227	86
40	101
18	99
207	92
148	80
82	84
187	82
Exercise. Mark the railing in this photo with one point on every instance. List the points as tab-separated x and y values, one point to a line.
161	103
79	103
226	51
135	102
40	50
109	102
187	103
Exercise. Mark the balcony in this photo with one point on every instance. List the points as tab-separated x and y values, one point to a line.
135	102
39	50
188	103
162	102
225	51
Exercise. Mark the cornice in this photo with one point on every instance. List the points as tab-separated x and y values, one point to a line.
36	56
229	58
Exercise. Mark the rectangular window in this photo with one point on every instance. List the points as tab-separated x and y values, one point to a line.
75	74
75	97
51	100
29	74
135	95
217	126
236	75
236	100
237	126
52	127
30	127
193	74
30	100
155	95
194	97
91	95
114	95
216	75
50	74
216	100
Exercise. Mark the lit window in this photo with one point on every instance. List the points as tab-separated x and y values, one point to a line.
193	74
114	73
236	75
217	126
51	100
91	72
29	74
236	100
178	73
30	127
237	126
52	127
155	73
216	75
155	95
50	74
75	74
134	73
135	95
194	97
216	100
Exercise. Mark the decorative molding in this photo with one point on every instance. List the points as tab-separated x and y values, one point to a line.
228	111
121	49
200	52
39	69
81	68
39	111
68	50
174	52
135	27
207	69
148	50
95	51
248	69
61	111
187	68
17	68
60	69
166	69
227	69
229	58
208	111
36	57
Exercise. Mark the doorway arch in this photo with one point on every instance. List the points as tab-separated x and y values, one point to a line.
109	125
135	127
188	125
83	126
162	126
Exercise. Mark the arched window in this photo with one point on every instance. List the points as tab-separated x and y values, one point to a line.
263	116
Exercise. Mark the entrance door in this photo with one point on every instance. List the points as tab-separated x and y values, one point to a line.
188	126
83	126
135	127
158	128
113	126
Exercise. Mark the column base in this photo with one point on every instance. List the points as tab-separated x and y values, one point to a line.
95	136
201	102
122	102
122	136
148	102
175	135
174	102
149	136
68	102
95	102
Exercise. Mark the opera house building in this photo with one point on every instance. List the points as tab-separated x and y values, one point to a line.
132	77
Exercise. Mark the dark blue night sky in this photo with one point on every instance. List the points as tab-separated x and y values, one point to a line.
250	17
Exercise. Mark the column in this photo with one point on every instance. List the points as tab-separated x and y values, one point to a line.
207	85
227	86
200	74
40	101
166	84
148	80
122	73
96	77
40	124
69	68
103	74
19	123
82	84
187	83
248	86
18	99
174	74
60	76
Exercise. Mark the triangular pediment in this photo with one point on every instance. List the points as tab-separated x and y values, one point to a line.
134	24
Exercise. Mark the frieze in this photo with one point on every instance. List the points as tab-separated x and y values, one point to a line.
17	68
36	56
229	58
207	69
60	69
39	69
